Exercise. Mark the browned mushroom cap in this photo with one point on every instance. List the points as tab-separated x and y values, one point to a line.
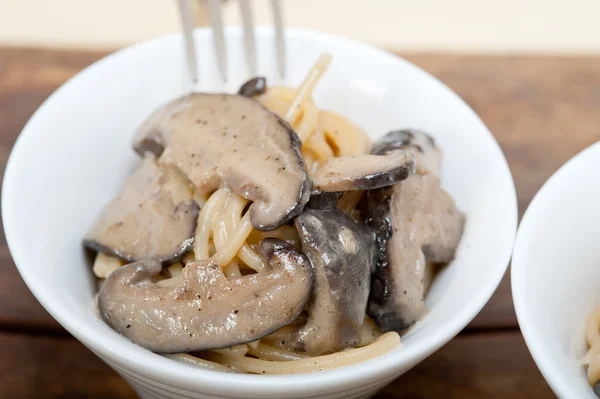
153	216
416	222
364	172
253	87
202	309
232	140
341	251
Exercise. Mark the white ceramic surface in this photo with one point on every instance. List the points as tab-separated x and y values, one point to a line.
74	153
556	271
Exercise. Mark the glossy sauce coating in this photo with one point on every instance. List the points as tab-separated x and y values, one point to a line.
202	309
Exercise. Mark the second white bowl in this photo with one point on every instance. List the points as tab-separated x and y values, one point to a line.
556	272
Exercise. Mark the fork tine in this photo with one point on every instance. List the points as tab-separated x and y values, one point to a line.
249	40
279	38
187	24
216	20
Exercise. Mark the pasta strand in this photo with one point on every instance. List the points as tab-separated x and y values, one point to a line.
383	344
592	337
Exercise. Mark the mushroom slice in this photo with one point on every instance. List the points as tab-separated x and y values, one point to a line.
153	216
202	309
232	140
152	135
422	145
364	172
341	251
324	200
253	87
415	222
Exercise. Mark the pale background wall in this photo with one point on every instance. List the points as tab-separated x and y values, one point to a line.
558	26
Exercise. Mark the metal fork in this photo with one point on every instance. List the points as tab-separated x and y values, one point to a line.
216	21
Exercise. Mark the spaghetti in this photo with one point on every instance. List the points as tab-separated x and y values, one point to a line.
592	338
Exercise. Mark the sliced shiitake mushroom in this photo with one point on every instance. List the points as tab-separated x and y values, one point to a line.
202	309
416	223
422	145
231	140
324	200
364	172
341	251
154	215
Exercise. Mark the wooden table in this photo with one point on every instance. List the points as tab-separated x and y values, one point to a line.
542	111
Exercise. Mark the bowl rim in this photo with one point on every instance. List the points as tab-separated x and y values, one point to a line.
162	370
560	386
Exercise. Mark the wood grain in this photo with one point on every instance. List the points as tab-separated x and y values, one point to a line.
27	78
491	365
45	367
471	366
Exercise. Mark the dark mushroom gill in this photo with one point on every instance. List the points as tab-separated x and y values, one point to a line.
416	223
341	251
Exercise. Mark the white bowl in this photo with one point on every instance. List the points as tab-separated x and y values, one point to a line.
75	152
556	271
